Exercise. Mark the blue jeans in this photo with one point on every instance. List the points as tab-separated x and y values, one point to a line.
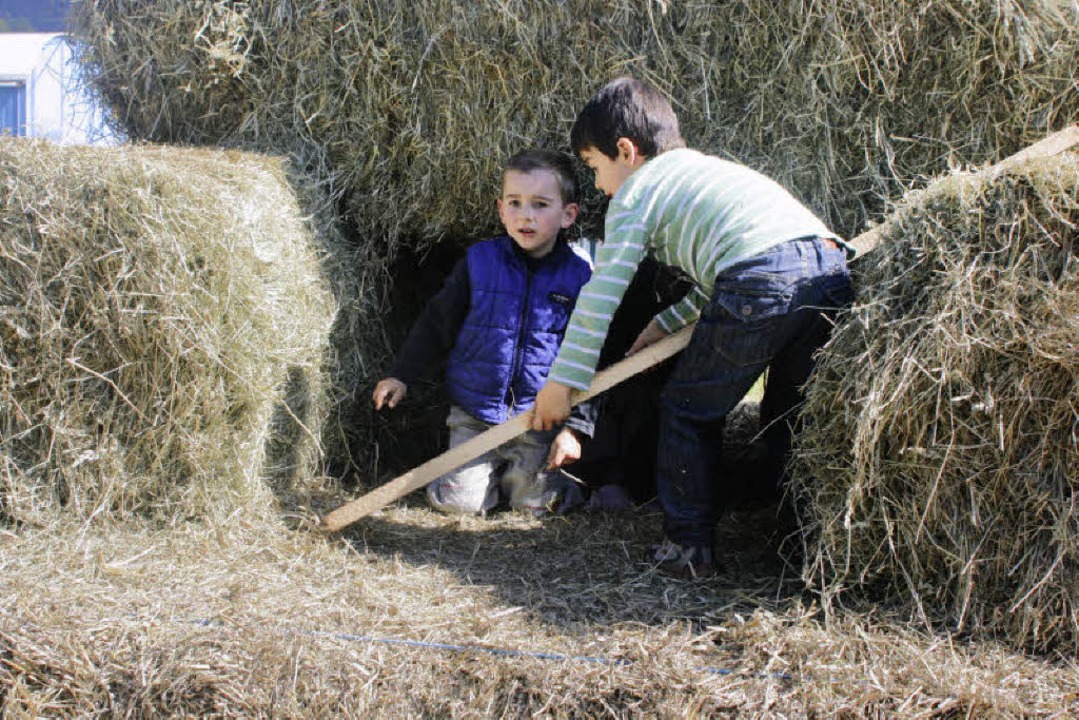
771	311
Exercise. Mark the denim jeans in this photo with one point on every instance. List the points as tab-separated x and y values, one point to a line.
771	311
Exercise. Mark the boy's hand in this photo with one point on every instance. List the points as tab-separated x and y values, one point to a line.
565	449
389	392
653	332
552	406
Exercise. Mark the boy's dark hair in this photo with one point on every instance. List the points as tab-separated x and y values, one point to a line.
627	108
557	162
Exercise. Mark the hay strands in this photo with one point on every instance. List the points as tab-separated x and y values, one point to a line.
490	439
420	476
1055	144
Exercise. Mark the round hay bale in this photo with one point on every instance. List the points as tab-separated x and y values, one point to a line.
939	455
164	322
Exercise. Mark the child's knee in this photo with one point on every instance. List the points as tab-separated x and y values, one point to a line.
450	496
544	492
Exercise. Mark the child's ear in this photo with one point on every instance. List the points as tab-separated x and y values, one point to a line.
569	214
628	151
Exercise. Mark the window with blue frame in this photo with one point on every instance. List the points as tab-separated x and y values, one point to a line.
12	108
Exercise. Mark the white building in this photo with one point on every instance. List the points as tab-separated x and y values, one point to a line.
40	94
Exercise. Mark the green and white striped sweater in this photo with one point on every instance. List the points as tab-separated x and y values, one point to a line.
693	211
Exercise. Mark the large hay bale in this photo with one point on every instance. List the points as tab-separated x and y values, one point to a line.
405	111
415	104
164	323
941	449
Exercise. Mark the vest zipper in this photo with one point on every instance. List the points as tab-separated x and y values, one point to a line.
520	337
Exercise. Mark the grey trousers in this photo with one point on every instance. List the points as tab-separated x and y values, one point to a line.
514	472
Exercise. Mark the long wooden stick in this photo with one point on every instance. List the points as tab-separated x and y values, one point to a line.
490	439
606	379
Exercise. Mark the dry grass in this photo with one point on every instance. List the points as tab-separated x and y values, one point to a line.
115	612
404	111
413	106
415	614
165	324
156	359
943	424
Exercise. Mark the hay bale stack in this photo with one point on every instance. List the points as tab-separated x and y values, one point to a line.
413	106
404	111
164	322
942	426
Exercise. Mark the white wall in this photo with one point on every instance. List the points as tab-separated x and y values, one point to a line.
56	108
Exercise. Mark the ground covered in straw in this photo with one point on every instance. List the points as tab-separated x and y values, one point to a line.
146	568
413	613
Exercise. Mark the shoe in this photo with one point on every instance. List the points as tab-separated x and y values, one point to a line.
609	498
684	560
571	499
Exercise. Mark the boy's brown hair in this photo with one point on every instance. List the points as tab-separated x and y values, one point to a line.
627	108
558	163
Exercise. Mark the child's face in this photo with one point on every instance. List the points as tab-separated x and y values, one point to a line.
612	172
532	210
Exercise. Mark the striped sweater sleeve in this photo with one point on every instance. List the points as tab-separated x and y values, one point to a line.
616	264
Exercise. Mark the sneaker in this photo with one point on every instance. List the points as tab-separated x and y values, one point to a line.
688	561
572	498
609	498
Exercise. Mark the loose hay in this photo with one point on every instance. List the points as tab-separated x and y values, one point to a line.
164	323
255	621
416	104
405	111
941	450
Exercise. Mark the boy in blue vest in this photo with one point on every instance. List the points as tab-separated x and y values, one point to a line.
497	324
769	277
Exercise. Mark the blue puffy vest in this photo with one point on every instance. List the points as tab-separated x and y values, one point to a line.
514	327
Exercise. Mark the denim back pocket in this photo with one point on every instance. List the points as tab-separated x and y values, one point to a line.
745	318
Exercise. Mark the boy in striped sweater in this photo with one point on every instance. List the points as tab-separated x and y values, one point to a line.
769	278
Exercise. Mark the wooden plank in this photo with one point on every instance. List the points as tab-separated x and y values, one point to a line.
1054	144
604	380
455	457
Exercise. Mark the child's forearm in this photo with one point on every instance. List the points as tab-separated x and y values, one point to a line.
582	418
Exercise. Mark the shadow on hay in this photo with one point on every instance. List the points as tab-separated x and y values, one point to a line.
594	567
590	568
369	447
283	450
